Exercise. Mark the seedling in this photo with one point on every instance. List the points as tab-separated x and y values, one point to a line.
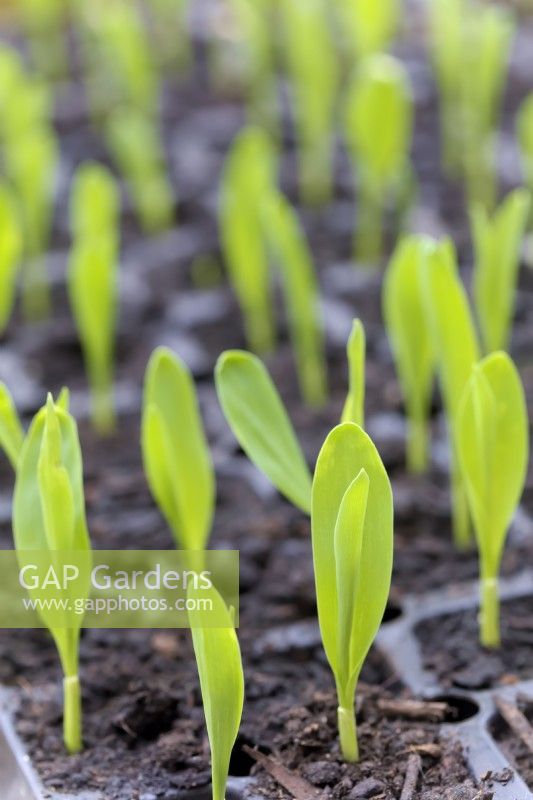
404	313
352	533
176	457
456	348
313	69
49	516
136	147
248	174
93	273
302	294
354	407
171	32
497	246
11	430
31	164
369	27
378	130
10	253
257	417
493	447
524	130
45	25
218	658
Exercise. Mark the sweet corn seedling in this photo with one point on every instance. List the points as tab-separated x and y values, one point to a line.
49	515
93	273
493	445
31	165
11	430
10	252
176	457
313	69
368	26
404	313
218	658
456	349
378	131
352	534
354	407
291	252
497	246
249	172
259	421
136	146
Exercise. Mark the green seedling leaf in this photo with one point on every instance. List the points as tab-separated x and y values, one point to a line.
497	246
352	533
524	129
249	172
11	430
10	253
493	448
456	348
218	659
354	407
49	515
45	22
378	130
315	81
369	27
175	451
94	203
302	295
135	144
31	162
404	313
259	421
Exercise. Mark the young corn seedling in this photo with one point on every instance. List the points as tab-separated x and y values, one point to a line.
255	413
248	174
404	313
49	516
93	273
291	252
352	534
313	68
218	658
31	165
470	46
493	445
456	349
10	253
172	46
354	407
378	130
136	147
176	457
11	430
497	246
369	27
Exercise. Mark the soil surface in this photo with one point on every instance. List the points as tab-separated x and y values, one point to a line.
143	724
513	747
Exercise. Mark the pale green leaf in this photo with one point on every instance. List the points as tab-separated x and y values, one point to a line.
493	445
497	246
10	253
302	295
175	451
257	417
11	430
354	407
346	452
94	203
218	659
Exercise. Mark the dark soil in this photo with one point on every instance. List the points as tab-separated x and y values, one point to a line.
450	647
143	724
513	747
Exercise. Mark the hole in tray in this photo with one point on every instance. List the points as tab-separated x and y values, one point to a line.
392	612
460	708
241	763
